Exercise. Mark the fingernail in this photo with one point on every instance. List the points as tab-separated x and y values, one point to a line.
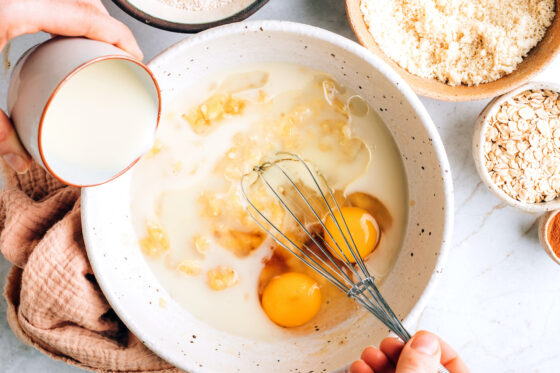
16	162
139	53
425	343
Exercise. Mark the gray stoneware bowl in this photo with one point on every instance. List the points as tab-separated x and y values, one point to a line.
165	16
135	293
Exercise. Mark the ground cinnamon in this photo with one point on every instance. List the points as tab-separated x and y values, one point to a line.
553	234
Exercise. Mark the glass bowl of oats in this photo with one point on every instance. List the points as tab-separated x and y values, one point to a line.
516	147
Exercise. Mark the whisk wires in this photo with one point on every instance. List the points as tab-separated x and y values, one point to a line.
307	198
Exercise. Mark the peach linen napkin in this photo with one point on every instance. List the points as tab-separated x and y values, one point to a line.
54	302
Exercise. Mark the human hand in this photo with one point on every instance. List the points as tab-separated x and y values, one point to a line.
422	354
86	18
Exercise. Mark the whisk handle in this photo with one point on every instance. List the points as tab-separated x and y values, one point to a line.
366	294
441	368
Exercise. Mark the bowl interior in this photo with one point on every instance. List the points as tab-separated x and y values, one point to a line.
169	15
162	324
535	62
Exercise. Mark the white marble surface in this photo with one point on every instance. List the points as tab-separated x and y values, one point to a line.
497	301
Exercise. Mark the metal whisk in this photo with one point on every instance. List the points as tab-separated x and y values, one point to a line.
304	194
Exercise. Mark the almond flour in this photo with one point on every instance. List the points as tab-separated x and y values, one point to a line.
458	41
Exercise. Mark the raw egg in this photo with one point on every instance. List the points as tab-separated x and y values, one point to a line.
362	227
291	299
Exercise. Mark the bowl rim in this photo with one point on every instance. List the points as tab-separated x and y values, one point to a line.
164	24
481	127
368	57
454	93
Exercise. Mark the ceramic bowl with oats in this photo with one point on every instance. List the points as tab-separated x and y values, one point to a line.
516	147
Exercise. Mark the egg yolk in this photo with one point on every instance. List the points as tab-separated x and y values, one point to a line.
362	227
291	299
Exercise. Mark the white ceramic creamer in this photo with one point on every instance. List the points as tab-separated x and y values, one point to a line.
99	120
85	110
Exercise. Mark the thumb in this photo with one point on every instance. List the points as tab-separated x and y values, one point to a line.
11	149
420	355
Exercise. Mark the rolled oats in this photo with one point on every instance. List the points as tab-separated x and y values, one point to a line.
522	146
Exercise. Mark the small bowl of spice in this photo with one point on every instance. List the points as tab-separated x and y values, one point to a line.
549	234
516	147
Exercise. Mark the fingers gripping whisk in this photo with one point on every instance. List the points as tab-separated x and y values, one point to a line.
289	199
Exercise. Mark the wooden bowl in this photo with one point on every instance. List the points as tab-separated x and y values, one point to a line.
537	59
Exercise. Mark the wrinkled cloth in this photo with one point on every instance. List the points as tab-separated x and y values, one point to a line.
54	302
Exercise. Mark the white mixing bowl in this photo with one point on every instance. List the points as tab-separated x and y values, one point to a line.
135	293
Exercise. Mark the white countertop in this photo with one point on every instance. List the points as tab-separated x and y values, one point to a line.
496	303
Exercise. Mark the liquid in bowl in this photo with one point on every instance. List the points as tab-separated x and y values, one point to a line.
185	192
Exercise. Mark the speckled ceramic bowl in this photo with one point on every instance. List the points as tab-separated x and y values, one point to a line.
134	292
479	157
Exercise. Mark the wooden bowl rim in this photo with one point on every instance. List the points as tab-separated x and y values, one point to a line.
536	60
